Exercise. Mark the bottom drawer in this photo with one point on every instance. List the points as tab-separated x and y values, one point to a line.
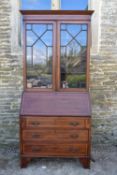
56	150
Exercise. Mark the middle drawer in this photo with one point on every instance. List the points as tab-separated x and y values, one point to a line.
55	135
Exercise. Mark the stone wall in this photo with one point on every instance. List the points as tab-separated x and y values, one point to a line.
103	76
10	76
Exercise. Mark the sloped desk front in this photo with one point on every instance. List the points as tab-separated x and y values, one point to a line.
55	124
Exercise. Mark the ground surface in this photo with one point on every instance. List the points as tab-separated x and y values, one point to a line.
104	162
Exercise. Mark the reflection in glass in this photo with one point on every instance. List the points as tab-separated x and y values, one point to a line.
73	29
73	55
39	29
28	27
47	38
82	38
84	27
31	38
65	38
50	27
39	56
29	56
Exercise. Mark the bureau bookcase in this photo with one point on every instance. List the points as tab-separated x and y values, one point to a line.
55	115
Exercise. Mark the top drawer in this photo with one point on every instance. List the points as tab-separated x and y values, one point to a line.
37	122
55	122
72	122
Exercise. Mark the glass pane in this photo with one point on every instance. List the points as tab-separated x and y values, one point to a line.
50	27
82	38
39	29
74	5
73	56
73	29
84	27
39	56
29	58
28	27
65	38
36	4
31	38
47	38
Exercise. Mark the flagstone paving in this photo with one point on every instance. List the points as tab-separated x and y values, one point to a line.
104	162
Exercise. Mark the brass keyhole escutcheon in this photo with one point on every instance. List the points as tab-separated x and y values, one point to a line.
74	123
36	149
35	123
74	136
35	135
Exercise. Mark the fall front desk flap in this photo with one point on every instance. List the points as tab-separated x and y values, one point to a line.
55	103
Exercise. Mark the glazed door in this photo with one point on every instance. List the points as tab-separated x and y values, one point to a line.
56	55
40	55
73	55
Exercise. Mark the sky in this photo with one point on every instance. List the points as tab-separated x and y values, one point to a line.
46	4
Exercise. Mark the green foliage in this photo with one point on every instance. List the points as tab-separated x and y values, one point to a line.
38	70
73	80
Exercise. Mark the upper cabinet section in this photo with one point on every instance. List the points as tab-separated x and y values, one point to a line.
54	4
56	50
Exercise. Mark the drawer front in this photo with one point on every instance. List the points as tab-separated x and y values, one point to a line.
55	122
56	150
38	122
55	136
72	122
38	135
72	136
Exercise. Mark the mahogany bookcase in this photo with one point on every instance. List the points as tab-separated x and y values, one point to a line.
55	115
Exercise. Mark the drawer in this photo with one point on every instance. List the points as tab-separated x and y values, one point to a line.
56	150
55	122
38	122
72	122
72	136
55	136
38	135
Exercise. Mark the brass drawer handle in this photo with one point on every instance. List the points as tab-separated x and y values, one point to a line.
74	136
35	123
35	135
74	150
35	149
74	123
